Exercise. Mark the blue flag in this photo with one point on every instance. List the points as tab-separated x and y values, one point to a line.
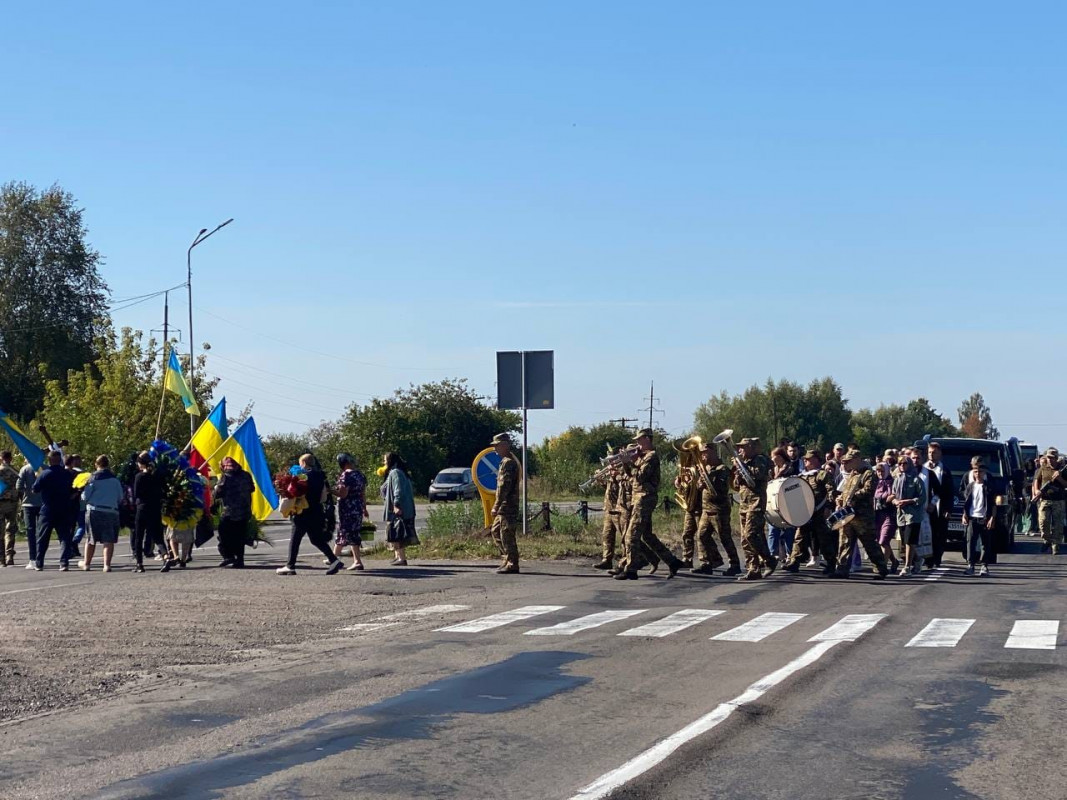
33	453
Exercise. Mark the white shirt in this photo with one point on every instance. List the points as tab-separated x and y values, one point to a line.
979	505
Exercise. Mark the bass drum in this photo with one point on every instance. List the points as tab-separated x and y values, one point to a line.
790	502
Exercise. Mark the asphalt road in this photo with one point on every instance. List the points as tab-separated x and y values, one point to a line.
392	683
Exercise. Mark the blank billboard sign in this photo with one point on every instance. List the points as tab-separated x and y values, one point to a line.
540	380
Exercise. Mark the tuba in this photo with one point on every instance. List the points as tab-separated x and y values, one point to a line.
725	439
688	493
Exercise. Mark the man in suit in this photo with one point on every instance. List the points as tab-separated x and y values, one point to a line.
940	502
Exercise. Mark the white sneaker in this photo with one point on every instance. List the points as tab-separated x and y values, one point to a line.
984	571
31	565
287	570
107	568
83	566
812	562
335	567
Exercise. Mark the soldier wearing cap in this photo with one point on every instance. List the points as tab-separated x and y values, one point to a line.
715	516
506	508
1049	492
759	563
612	514
815	535
645	489
857	492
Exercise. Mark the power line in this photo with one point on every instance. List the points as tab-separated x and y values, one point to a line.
299	383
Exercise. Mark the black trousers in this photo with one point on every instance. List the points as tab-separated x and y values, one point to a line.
147	532
314	527
978	542
63	524
232	539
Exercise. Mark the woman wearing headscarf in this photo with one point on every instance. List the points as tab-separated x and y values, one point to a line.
351	491
399	508
311	522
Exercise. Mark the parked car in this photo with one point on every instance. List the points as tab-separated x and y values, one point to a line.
454	483
1005	472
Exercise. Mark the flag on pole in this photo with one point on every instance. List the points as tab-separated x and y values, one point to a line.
209	437
174	381
33	453
246	449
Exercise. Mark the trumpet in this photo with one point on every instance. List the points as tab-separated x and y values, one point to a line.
726	440
597	477
608	463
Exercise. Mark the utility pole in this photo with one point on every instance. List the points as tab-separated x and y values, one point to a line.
621	421
166	333
651	408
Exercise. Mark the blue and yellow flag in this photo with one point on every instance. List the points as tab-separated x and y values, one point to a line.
209	436
33	453
246	449
174	381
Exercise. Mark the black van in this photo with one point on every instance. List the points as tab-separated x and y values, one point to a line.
1003	463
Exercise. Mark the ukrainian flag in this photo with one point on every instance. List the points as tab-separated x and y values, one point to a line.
210	436
33	453
174	381
246	449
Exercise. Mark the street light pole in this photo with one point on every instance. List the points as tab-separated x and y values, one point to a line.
200	237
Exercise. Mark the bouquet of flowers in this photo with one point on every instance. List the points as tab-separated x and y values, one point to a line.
292	486
183	488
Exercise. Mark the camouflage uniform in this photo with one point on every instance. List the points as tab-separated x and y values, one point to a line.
1050	508
9	512
506	510
753	515
645	487
715	519
858	491
815	536
690	518
625	509
610	530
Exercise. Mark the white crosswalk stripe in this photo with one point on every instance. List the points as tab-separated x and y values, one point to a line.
941	633
1033	634
499	620
758	629
678	621
574	626
848	628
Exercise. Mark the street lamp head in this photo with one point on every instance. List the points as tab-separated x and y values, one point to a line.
202	231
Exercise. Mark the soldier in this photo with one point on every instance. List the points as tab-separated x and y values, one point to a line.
505	509
1048	491
688	484
815	535
715	515
759	563
608	533
9	508
625	509
645	485
857	491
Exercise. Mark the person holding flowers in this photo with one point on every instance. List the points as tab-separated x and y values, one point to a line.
310	521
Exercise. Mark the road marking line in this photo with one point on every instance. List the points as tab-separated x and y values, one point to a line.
42	588
758	629
574	626
367	627
678	621
848	628
937	574
498	620
1033	634
941	633
428	611
608	783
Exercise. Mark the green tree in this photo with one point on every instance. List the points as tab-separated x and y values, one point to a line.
976	420
53	302
564	461
816	415
896	425
111	405
435	425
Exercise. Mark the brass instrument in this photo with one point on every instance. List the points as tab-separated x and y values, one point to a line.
608	463
691	472
725	439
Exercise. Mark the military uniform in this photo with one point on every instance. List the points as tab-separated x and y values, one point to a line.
815	535
858	491
690	516
645	488
715	519
753	520
506	511
609	533
9	512
1050	507
625	509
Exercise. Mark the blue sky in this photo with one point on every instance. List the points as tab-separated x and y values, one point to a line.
704	194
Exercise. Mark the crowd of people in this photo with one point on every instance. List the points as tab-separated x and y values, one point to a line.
61	501
894	508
